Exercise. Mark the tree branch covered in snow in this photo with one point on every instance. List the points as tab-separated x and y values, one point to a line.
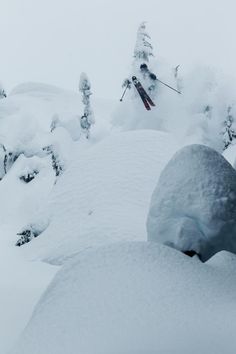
57	164
143	49
87	119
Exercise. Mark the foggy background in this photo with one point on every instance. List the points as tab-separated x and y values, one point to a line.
52	41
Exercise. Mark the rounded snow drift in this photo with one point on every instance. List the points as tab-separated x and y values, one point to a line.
131	298
193	208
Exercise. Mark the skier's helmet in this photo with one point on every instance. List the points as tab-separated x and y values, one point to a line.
143	67
153	76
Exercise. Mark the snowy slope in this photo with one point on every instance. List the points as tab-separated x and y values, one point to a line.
135	297
25	119
127	293
104	195
21	284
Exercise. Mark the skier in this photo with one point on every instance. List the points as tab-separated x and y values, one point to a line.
127	84
148	74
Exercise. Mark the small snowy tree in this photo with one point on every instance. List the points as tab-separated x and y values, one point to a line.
57	164
9	158
87	119
178	79
228	132
2	92
143	49
30	231
55	122
208	111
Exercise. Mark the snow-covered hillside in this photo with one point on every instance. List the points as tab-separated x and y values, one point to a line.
79	194
104	195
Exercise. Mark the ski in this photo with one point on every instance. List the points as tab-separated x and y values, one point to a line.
148	98
143	94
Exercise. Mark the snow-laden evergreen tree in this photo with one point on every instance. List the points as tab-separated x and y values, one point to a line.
29	175
30	231
178	79
2	92
55	122
9	158
58	164
208	111
143	49
87	119
228	132
143	52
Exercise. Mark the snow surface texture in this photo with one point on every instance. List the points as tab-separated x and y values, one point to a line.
196	209
135	297
103	196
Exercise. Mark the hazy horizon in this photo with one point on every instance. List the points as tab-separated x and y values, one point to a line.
52	41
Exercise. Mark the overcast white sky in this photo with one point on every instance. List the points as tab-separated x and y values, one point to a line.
52	41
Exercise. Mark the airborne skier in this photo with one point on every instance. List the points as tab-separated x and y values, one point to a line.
147	101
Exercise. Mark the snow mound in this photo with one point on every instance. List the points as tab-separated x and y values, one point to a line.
193	207
103	196
35	87
134	298
224	261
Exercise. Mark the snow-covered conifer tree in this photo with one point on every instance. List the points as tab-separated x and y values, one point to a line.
143	67
228	132
2	92
178	79
57	162
55	122
87	119
143	52
143	49
208	111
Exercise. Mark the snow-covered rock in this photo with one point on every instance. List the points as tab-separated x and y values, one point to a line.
134	297
193	207
104	194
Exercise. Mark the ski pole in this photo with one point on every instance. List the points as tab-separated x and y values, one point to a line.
172	88
121	99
